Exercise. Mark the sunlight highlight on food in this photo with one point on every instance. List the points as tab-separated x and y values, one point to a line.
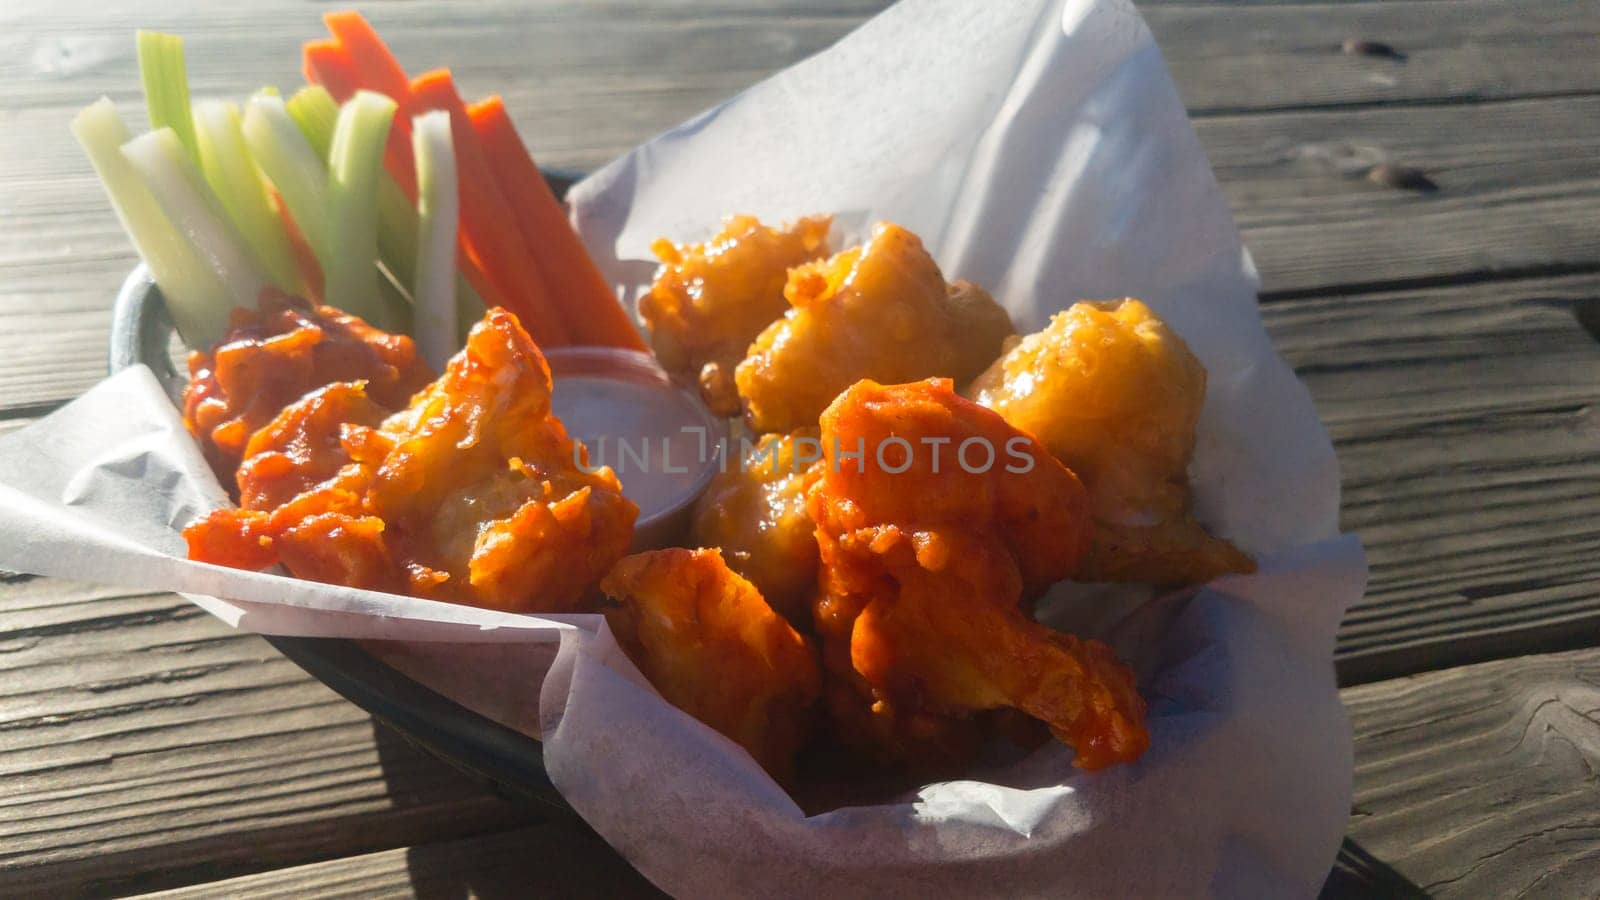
472	493
1115	395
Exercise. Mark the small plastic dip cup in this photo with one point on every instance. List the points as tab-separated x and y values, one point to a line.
660	439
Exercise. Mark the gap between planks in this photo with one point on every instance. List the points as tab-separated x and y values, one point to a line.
1237	112
1467	423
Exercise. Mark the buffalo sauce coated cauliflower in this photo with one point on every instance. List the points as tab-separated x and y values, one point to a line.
926	562
273	356
473	493
710	644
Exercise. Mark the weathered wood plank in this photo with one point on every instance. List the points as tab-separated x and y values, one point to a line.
1465	426
1226	59
1481	781
145	745
1310	168
539	861
1517	185
1266	57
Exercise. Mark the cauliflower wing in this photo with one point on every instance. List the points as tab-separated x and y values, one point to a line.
278	353
756	514
710	300
713	648
1114	394
927	551
881	311
472	494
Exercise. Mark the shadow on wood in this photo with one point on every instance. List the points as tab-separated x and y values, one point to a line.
516	848
1358	874
1587	311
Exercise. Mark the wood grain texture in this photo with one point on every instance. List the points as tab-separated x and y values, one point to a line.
1288	56
143	744
1481	781
1517	188
1466	425
538	861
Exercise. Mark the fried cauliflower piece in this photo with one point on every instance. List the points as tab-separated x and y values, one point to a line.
756	514
303	446
1114	394
471	494
278	353
713	648
948	643
929	543
881	311
710	300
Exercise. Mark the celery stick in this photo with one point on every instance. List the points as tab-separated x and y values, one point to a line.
397	245
469	310
434	294
195	298
354	163
159	157
397	230
293	166
234	179
166	86
397	300
314	110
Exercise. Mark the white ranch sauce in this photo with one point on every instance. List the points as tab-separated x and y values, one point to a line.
637	429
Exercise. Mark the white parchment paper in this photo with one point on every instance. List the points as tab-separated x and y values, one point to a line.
1041	149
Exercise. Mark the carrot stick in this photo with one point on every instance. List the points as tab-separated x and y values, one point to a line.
329	64
357	58
487	223
590	308
326	63
369	55
376	69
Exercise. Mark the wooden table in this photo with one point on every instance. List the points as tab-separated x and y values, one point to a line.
1446	334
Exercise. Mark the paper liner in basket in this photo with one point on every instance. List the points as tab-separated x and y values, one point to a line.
1041	150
